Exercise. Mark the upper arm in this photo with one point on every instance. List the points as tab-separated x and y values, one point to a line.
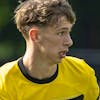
92	92
3	93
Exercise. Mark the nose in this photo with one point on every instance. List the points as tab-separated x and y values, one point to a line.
68	40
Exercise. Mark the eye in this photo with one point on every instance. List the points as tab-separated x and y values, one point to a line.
62	33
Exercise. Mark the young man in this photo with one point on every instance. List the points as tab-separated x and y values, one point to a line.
45	72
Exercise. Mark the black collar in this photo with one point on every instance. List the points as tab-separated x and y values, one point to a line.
39	81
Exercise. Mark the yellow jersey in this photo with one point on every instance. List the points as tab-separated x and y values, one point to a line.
73	80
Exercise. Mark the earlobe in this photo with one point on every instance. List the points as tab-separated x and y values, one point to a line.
33	34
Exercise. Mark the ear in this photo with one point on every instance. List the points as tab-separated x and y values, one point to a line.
33	33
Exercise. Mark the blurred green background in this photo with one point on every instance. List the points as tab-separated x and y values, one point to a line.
85	33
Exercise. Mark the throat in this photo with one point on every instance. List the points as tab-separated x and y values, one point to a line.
38	76
42	72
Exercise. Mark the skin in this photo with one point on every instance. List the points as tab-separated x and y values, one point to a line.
46	47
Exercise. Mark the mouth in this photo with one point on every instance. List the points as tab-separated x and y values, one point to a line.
62	54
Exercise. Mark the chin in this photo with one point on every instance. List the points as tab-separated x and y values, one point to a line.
58	60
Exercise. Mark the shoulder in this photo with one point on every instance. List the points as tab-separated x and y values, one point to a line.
75	60
6	74
77	63
6	80
80	71
78	68
7	70
7	67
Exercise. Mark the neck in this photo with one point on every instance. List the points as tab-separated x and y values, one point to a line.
37	66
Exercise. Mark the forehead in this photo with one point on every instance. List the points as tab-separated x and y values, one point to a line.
63	23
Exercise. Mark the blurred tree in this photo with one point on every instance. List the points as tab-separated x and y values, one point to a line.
11	42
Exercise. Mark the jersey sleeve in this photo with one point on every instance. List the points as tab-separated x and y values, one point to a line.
3	93
92	92
4	96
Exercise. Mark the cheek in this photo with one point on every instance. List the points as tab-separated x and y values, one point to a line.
51	42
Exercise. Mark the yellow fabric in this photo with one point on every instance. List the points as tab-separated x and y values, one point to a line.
74	78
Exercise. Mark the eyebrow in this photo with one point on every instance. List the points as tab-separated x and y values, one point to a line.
65	28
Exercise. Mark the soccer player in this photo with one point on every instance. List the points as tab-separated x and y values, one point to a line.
45	72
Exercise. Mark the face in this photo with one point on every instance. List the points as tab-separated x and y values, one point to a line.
56	40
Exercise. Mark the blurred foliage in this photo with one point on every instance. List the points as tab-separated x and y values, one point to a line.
6	11
4	18
12	45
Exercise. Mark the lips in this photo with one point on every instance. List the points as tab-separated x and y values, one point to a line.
62	54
